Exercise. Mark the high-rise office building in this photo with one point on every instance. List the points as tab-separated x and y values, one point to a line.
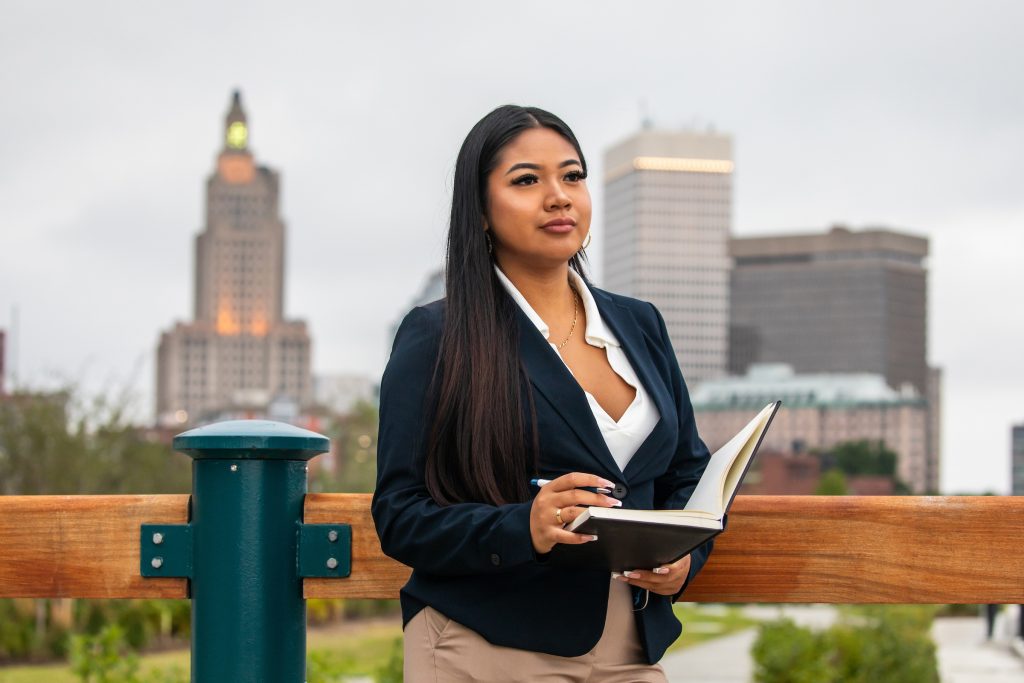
239	351
1017	459
668	217
839	301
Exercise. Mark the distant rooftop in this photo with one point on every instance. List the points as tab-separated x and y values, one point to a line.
662	150
765	382
839	240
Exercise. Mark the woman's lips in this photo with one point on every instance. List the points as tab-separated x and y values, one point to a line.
559	225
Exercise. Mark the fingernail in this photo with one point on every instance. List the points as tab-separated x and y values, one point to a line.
616	575
661	570
614	502
607	484
632	575
591	538
619	577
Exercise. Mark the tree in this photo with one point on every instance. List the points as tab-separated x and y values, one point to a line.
864	457
832	483
58	443
38	453
355	441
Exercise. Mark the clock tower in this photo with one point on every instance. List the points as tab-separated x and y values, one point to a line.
239	353
236	128
235	162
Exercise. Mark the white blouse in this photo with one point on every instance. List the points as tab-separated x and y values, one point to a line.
636	424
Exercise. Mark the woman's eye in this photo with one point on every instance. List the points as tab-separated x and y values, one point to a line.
528	179
575	176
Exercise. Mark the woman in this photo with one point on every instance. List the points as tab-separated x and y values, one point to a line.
526	371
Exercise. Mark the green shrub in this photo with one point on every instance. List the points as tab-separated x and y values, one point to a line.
323	666
140	620
867	644
391	670
17	632
107	657
890	643
787	653
104	658
19	639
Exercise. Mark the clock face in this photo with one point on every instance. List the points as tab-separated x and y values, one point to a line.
238	135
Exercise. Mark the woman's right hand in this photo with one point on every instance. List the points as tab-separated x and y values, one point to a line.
557	505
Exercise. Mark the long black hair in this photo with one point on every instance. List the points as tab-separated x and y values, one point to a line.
478	448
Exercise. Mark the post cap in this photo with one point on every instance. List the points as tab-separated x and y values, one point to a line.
251	440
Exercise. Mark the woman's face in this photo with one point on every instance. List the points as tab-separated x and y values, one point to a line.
538	205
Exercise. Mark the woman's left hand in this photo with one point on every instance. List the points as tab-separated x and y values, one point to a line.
667	579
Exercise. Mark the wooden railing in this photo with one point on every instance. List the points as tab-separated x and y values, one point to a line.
776	549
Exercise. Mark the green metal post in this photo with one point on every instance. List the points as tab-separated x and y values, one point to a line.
248	485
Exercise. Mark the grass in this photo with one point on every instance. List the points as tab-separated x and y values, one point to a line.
366	646
61	673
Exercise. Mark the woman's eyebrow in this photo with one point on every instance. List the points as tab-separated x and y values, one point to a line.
537	167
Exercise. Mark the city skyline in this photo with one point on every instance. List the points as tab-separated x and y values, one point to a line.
100	192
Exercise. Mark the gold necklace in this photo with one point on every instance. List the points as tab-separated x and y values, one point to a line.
575	314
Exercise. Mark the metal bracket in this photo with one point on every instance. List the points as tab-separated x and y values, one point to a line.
325	551
166	550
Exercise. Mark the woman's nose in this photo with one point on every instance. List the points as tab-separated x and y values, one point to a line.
558	199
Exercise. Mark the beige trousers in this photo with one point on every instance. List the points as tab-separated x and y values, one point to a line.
439	650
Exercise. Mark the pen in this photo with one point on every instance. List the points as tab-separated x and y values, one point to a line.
544	482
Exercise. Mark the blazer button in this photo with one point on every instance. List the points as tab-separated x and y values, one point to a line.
620	491
495	559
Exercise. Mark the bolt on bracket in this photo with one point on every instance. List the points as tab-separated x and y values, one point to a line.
166	550
325	551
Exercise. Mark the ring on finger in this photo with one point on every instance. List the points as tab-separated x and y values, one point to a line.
558	516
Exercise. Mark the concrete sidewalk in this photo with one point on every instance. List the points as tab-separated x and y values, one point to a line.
963	654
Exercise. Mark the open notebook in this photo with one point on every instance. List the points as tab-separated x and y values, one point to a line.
644	539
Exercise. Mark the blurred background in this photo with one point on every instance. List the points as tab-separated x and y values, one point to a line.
216	210
901	118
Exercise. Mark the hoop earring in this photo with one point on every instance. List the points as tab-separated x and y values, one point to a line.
586	242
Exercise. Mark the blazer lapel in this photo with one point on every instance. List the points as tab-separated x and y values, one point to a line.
638	350
552	378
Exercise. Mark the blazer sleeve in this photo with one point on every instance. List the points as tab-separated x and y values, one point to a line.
452	540
673	489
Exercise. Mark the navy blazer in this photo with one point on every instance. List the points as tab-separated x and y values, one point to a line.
475	563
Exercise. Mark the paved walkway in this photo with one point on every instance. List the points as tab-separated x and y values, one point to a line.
964	656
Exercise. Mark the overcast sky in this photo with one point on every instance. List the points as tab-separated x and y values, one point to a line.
908	115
